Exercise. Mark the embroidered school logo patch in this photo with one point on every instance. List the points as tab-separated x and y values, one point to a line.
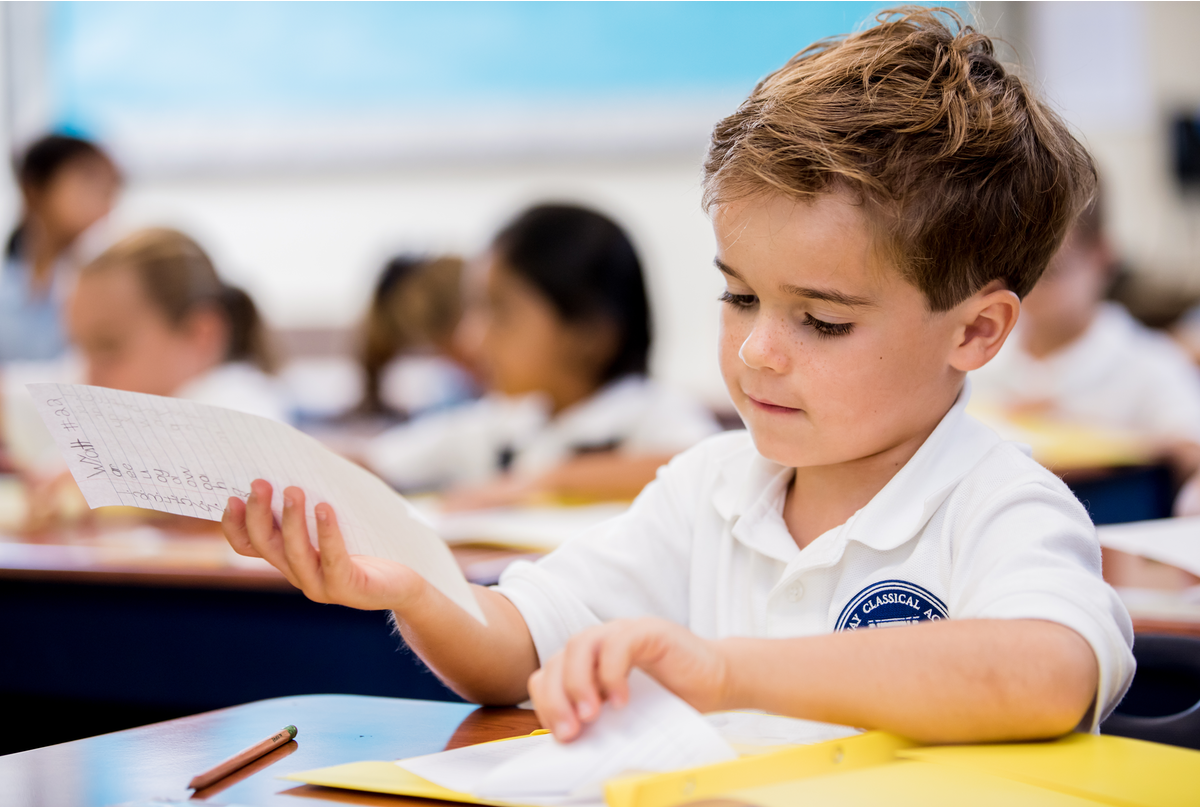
889	603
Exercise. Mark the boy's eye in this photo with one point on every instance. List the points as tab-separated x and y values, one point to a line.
738	300
824	328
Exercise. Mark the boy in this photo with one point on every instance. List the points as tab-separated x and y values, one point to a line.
880	204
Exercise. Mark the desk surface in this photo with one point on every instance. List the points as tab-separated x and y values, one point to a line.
157	761
186	553
193	555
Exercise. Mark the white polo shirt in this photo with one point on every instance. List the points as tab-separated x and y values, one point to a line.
970	528
465	444
239	385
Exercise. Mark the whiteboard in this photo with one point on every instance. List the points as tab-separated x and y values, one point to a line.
199	85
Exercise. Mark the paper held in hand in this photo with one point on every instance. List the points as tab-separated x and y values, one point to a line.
176	456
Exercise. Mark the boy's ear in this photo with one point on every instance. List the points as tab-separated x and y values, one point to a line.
987	318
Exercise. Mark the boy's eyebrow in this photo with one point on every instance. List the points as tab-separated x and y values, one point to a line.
827	295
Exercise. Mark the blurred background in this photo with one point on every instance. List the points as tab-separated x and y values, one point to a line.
304	143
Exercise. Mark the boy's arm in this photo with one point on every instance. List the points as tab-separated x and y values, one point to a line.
938	682
487	664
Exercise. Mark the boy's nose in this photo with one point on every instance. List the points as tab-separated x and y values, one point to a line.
764	349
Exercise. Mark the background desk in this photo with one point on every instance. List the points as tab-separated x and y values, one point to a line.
157	761
107	629
124	626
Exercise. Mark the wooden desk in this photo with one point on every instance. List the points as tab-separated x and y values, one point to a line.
122	625
157	761
1137	579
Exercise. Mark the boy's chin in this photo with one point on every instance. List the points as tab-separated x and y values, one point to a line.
793	453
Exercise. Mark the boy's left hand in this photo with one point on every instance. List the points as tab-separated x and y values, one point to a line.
594	668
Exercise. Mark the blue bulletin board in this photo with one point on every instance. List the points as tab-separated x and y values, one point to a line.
332	77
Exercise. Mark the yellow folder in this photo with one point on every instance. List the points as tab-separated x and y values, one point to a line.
877	768
1113	770
902	783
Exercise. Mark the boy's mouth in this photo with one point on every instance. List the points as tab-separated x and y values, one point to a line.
774	408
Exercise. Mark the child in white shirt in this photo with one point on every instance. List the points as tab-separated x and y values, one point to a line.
557	325
1078	358
151	315
863	201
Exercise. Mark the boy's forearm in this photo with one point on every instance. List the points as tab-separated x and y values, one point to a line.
944	682
485	664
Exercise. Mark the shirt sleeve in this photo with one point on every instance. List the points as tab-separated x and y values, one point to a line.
637	564
1032	553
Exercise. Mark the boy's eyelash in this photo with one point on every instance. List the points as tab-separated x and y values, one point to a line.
738	300
825	329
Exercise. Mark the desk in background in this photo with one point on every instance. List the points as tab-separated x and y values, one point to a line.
110	628
1155	567
1119	476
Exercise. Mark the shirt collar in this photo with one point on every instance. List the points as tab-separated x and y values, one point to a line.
893	516
913	495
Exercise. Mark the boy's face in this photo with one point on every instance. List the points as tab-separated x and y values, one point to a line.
830	356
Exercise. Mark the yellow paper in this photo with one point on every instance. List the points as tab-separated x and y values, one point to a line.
385	777
878	768
792	762
1113	770
1061	445
905	784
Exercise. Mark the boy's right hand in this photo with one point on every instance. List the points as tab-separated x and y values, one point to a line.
327	573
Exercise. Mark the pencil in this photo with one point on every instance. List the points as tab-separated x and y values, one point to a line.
242	758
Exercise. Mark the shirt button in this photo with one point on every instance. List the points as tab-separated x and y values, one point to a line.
795	591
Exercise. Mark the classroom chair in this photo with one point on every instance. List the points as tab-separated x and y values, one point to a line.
1163	703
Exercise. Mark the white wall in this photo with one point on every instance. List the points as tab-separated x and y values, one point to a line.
308	247
1117	71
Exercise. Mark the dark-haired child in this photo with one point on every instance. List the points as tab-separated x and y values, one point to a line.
865	553
557	327
67	185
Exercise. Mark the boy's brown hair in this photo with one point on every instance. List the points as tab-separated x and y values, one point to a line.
966	176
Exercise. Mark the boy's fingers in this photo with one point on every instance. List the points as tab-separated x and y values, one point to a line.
335	560
302	558
579	675
550	701
613	665
233	524
260	525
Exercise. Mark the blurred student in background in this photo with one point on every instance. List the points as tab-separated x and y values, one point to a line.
411	364
557	327
67	185
1077	357
151	315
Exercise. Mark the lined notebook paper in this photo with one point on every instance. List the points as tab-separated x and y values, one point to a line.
177	456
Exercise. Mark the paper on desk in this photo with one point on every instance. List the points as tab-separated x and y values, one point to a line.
655	731
461	770
540	529
759	732
177	456
1174	541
